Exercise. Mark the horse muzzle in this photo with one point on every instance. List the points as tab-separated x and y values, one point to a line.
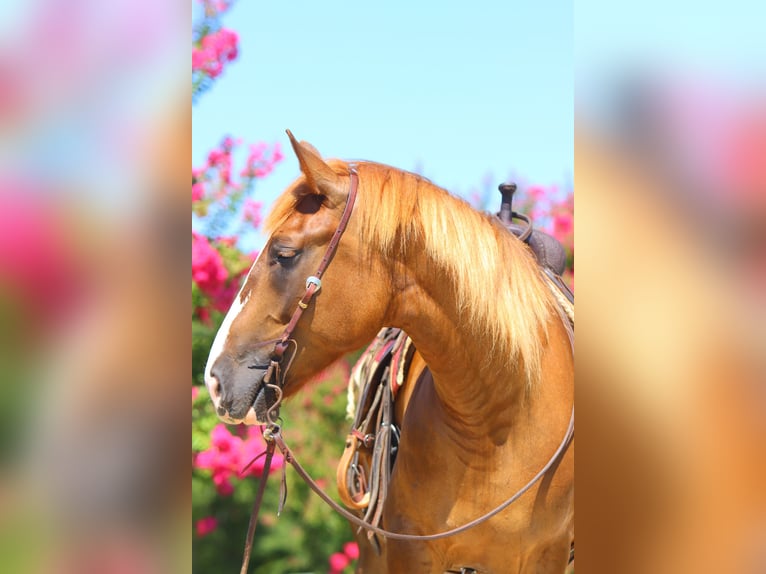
238	393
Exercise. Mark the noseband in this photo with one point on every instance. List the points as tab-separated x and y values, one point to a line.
313	284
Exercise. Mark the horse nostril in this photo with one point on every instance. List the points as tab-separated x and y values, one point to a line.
221	406
215	388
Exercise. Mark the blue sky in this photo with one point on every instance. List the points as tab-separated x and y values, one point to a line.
463	92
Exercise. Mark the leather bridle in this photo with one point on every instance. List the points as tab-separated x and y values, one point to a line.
274	377
272	433
313	284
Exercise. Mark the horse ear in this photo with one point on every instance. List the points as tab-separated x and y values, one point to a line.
319	175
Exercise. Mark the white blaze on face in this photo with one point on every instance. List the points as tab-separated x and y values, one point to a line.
213	385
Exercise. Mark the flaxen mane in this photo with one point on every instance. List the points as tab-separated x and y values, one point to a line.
496	280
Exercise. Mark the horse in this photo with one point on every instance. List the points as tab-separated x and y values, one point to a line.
473	301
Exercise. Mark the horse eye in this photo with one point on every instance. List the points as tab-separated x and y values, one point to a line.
286	256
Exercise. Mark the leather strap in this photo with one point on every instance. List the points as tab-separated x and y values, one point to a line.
372	528
289	457
375	370
313	285
257	504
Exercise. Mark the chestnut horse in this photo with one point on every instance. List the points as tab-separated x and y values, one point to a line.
474	302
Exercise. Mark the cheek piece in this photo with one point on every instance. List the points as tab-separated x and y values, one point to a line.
274	377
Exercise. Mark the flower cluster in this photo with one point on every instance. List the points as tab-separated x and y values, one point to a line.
207	265
210	273
562	228
215	7
229	456
260	163
214	51
563	221
225	212
206	525
213	46
553	212
339	561
39	275
213	182
251	212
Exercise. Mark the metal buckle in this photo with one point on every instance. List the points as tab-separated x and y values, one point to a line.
313	280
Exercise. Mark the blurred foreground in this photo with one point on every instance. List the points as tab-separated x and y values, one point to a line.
95	147
671	230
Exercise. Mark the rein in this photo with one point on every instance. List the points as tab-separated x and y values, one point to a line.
313	284
289	457
273	436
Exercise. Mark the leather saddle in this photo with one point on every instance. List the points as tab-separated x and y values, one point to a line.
548	250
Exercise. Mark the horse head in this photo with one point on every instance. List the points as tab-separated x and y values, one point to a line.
345	313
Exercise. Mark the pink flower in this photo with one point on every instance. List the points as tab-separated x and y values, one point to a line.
258	163
198	191
338	561
206	459
252	446
256	152
216	157
213	7
223	484
222	439
195	393
208	270
225	296
228	240
251	211
562	225
229	454
209	273
204	315
199	59
224	171
222	458
206	525
535	192
277	155
222	44
351	549
39	270
215	49
220	159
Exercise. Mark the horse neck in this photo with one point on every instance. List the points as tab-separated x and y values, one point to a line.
476	399
475	386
